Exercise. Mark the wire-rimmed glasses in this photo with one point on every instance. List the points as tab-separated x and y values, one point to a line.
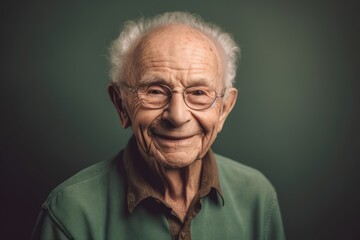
156	96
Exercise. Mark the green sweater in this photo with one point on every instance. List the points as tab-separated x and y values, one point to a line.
92	205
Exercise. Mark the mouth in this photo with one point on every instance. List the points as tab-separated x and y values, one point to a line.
174	137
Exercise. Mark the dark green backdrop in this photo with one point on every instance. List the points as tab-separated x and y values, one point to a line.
296	118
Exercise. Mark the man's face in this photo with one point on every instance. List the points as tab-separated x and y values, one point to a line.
178	57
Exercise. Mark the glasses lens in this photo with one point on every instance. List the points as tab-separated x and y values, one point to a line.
154	96
199	98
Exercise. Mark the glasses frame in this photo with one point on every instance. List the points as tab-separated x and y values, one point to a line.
136	91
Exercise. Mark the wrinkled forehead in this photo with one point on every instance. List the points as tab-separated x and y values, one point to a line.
179	44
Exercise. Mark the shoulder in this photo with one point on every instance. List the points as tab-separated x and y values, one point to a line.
77	207
89	177
87	188
247	192
243	178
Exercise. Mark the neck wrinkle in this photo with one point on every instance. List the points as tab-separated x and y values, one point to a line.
182	184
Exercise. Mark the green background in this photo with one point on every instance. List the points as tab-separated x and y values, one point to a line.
296	118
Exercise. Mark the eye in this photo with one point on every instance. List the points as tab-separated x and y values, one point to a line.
153	91
156	90
198	92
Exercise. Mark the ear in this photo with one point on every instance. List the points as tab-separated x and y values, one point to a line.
117	100
228	104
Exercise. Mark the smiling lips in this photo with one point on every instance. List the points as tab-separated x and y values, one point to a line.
172	137
168	137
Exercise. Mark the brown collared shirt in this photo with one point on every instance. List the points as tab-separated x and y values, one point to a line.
144	187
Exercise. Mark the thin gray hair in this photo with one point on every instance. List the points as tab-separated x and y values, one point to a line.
132	32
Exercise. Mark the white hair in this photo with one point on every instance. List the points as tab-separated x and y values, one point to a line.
132	32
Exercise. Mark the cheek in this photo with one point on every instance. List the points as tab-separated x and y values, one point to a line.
209	121
134	106
142	119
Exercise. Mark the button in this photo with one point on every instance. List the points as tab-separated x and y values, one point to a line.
131	197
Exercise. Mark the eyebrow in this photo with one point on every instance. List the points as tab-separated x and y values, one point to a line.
200	82
152	80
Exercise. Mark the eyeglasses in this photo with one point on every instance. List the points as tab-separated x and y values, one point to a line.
156	96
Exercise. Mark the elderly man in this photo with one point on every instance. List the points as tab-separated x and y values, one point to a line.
172	79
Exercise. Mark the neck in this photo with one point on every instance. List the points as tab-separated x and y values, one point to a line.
181	186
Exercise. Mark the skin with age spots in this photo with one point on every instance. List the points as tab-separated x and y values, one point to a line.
172	139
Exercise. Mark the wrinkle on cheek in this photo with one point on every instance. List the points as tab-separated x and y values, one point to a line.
135	106
210	126
140	127
143	137
208	139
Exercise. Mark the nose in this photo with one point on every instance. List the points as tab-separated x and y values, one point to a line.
176	112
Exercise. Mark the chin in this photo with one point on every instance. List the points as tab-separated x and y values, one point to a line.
176	160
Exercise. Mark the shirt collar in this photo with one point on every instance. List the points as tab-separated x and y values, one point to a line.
141	183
